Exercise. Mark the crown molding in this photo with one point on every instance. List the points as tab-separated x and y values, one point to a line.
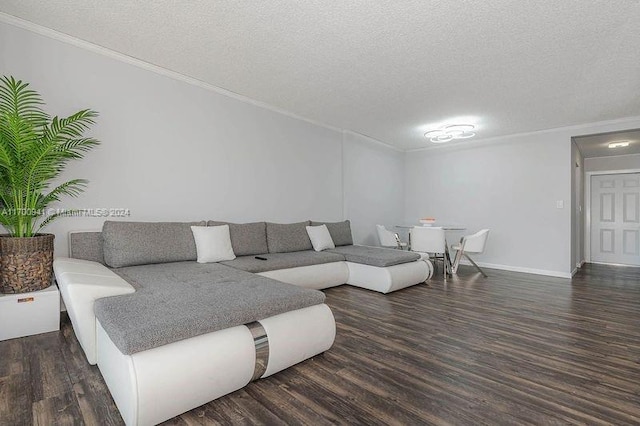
374	141
611	156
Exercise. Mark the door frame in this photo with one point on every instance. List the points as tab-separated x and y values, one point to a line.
587	205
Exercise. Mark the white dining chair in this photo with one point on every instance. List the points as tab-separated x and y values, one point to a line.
474	244
389	239
432	241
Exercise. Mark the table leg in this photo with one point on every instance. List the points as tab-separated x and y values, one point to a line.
456	261
447	258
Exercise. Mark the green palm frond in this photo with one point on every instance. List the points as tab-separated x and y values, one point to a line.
17	100
50	219
72	188
34	151
72	126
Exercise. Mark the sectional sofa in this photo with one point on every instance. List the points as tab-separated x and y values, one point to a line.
169	334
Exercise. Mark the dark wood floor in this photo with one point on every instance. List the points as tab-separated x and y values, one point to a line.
510	349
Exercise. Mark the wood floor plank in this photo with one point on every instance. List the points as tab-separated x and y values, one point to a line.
62	410
74	358
49	374
287	407
15	399
13	359
95	402
509	349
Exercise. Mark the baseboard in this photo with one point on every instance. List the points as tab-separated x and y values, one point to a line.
522	269
575	270
578	266
614	264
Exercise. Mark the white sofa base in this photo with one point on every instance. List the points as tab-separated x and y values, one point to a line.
81	283
381	279
316	277
155	385
390	278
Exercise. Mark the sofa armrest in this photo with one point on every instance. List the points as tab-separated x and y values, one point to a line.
81	283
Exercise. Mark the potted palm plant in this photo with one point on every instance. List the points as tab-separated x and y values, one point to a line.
34	151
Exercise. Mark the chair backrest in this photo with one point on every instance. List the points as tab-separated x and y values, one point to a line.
475	243
386	237
426	239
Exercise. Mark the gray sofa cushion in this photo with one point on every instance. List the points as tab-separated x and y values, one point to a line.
285	238
375	256
340	232
176	301
141	243
283	260
86	246
246	238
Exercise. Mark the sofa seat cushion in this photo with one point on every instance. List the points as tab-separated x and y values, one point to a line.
283	260
177	301
246	238
375	256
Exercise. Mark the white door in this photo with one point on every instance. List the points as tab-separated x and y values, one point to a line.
615	219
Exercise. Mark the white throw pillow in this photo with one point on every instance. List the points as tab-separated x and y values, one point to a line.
320	237
213	243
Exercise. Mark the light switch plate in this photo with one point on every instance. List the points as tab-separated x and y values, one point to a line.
560	204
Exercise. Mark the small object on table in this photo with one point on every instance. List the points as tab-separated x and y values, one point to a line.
428	221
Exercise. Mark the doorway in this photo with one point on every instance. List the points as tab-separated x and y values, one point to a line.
608	183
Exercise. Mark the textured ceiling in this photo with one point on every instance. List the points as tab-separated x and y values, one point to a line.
386	69
598	145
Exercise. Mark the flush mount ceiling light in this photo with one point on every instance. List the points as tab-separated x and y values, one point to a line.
450	132
619	144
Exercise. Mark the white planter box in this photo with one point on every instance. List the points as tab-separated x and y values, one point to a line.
26	314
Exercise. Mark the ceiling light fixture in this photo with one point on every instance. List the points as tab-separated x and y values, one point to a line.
450	132
620	144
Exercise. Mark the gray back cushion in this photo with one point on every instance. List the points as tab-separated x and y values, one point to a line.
340	232
141	243
246	238
285	238
86	246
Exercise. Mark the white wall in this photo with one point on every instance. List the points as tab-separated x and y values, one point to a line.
618	162
374	187
510	188
175	151
510	185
